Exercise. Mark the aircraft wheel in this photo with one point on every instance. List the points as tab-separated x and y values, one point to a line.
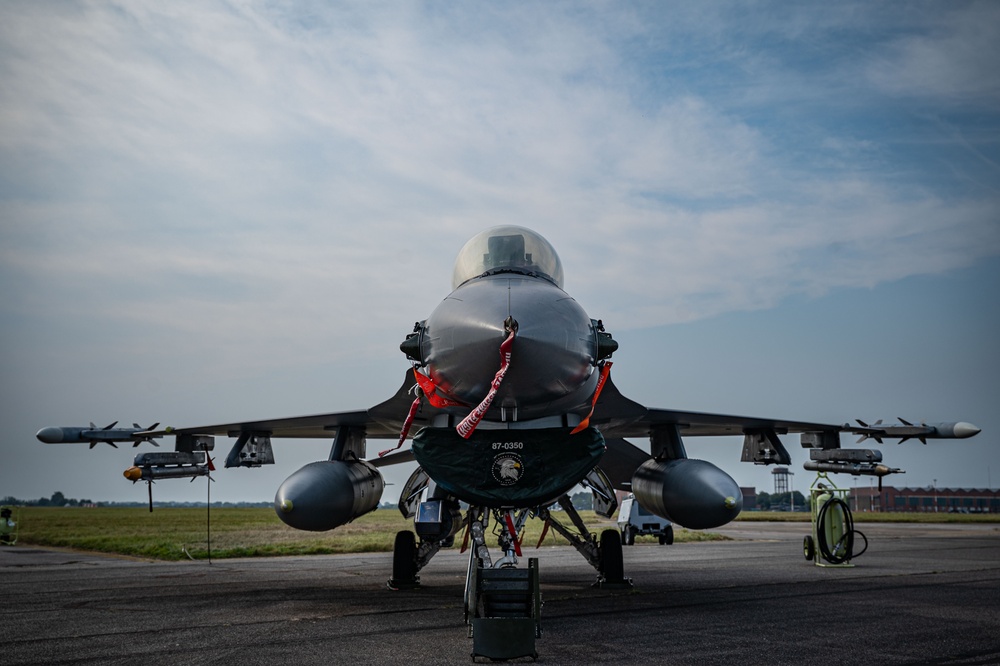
612	562
404	557
809	547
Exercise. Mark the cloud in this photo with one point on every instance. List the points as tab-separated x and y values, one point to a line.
211	167
226	210
952	60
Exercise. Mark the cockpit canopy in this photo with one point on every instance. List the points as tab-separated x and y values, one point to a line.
507	249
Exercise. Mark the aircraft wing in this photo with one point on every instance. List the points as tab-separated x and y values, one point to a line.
317	426
617	416
384	421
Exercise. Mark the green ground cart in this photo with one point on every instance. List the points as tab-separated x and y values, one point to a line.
832	541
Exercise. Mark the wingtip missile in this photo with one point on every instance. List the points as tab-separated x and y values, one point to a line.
905	430
94	436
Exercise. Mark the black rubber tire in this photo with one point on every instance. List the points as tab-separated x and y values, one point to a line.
809	548
628	537
404	557
668	536
612	562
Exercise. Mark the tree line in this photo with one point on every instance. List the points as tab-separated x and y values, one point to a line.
58	499
781	501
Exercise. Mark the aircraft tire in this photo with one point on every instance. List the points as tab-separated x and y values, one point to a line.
404	557
612	562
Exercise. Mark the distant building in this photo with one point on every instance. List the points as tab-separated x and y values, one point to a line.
782	483
942	500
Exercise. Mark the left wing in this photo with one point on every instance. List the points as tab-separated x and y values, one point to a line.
617	416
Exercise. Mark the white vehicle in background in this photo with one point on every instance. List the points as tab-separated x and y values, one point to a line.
634	520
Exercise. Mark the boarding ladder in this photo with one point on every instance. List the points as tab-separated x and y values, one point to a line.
506	619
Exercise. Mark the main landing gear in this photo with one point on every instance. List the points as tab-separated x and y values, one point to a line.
409	557
604	554
404	561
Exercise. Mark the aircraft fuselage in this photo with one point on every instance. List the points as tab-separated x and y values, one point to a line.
553	356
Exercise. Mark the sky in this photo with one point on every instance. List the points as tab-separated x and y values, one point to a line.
218	211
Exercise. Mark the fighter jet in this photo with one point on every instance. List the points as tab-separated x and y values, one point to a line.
508	404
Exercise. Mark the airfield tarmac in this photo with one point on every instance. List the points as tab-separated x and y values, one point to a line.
922	594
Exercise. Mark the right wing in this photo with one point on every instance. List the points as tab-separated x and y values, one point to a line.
383	421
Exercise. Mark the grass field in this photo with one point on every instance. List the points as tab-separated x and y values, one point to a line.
176	533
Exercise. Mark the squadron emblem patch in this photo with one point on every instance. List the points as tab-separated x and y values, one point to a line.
507	468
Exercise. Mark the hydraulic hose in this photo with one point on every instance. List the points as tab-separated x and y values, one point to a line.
843	550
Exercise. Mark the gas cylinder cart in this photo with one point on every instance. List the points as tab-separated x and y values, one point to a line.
832	541
8	527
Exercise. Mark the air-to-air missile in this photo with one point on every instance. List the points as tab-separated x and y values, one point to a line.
190	460
169	465
859	462
905	430
93	435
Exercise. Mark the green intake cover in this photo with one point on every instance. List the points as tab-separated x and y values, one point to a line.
508	468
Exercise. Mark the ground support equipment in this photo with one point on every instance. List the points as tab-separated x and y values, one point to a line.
832	541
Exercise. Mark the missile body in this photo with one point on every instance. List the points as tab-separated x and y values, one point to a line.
854	468
906	430
169	465
94	435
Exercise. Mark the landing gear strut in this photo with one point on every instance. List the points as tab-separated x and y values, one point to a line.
604	555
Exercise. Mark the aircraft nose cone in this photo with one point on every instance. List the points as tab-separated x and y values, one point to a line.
52	435
964	429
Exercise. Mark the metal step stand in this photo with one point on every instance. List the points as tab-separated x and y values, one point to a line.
507	612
